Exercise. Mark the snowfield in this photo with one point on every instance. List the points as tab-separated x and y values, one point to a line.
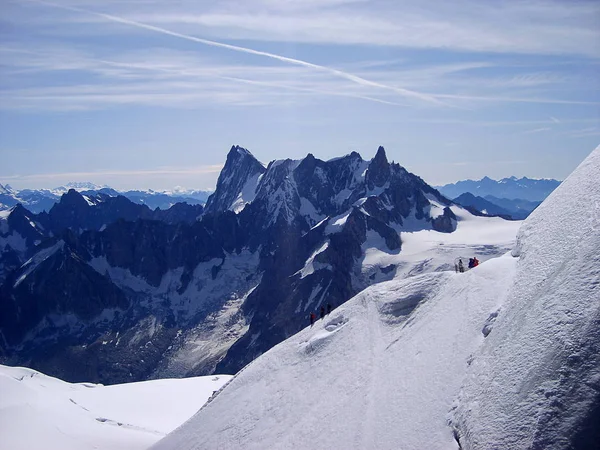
41	412
406	364
426	251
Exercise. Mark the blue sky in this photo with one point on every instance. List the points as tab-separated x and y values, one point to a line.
152	94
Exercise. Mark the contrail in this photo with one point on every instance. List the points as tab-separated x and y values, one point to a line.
222	77
247	81
341	74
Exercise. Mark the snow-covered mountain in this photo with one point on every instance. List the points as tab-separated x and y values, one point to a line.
504	356
80	186
237	182
151	298
42	200
38	411
506	188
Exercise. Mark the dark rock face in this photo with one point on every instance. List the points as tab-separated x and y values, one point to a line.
24	223
179	212
379	170
446	223
272	245
34	292
78	211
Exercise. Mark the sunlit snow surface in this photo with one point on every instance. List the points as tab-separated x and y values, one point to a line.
431	251
405	363
539	370
368	376
41	412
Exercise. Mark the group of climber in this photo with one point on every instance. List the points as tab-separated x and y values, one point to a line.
322	312
473	262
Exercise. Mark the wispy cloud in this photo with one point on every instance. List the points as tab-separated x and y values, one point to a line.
463	25
163	78
335	72
536	130
585	132
173	78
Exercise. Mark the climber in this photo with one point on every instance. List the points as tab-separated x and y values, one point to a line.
328	308
322	312
461	267
312	318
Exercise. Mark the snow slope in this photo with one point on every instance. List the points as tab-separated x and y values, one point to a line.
538	374
503	356
370	375
37	411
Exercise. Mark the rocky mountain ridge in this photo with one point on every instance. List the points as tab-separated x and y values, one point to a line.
42	200
187	297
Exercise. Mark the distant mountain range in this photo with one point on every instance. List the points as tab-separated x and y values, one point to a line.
506	188
42	200
493	206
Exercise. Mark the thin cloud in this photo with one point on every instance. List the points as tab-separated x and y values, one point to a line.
515	99
341	74
536	130
198	170
168	63
585	132
512	27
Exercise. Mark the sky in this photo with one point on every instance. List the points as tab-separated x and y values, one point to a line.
153	93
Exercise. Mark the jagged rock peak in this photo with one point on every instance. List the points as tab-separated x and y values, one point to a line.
237	181
378	172
239	155
380	155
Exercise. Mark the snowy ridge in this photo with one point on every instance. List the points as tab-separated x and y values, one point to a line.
366	365
541	361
